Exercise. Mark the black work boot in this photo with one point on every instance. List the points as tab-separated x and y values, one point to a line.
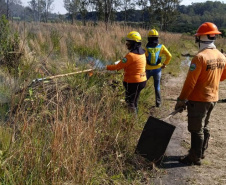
158	104
205	143
158	99
186	160
191	159
195	153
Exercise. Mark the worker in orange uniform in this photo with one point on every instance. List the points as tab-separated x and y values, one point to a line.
154	52
200	90
134	69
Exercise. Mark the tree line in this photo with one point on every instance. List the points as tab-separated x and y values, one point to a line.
37	10
166	15
108	11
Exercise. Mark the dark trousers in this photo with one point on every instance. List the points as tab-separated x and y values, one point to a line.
132	93
198	124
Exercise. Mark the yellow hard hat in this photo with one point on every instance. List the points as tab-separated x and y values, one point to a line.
134	36
153	33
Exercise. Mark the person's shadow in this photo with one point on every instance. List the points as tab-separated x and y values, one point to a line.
222	101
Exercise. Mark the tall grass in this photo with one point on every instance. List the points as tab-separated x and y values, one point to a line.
74	135
75	130
67	42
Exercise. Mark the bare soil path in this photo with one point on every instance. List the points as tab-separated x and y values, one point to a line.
213	168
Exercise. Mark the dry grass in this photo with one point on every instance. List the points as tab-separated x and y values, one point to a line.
79	137
74	130
85	40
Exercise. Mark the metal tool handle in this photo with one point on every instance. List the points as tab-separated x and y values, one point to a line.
172	114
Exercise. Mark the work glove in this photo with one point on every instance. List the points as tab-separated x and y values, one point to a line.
181	104
163	66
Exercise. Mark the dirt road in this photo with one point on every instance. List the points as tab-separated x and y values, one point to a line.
213	168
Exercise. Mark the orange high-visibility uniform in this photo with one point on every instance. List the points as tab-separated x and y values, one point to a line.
202	82
134	67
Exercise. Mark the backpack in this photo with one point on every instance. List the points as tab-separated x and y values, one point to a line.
153	58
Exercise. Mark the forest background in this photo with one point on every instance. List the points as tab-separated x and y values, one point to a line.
163	15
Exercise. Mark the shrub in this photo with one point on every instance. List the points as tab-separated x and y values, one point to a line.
9	47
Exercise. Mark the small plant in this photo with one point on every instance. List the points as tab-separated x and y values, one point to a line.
55	38
9	47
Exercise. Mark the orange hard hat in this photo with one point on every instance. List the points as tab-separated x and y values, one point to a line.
207	28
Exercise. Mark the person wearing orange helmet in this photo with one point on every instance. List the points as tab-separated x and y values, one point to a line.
134	70
200	91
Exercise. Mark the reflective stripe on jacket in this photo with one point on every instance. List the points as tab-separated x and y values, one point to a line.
163	51
202	82
134	67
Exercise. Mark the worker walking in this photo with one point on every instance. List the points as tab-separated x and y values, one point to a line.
200	90
154	52
134	70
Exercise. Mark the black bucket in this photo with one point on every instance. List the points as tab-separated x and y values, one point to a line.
154	139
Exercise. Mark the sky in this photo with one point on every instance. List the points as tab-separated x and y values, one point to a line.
58	5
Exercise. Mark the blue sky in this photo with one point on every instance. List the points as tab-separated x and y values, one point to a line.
59	5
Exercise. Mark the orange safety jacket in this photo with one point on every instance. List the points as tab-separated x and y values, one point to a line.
163	51
134	67
202	82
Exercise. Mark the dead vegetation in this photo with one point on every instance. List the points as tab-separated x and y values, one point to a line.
75	130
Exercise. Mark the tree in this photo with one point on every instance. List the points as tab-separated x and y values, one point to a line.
72	6
99	8
108	5
3	7
33	7
125	6
47	4
106	8
166	10
143	4
38	8
83	9
10	3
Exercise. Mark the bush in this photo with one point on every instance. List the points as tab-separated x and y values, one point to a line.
223	31
9	47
